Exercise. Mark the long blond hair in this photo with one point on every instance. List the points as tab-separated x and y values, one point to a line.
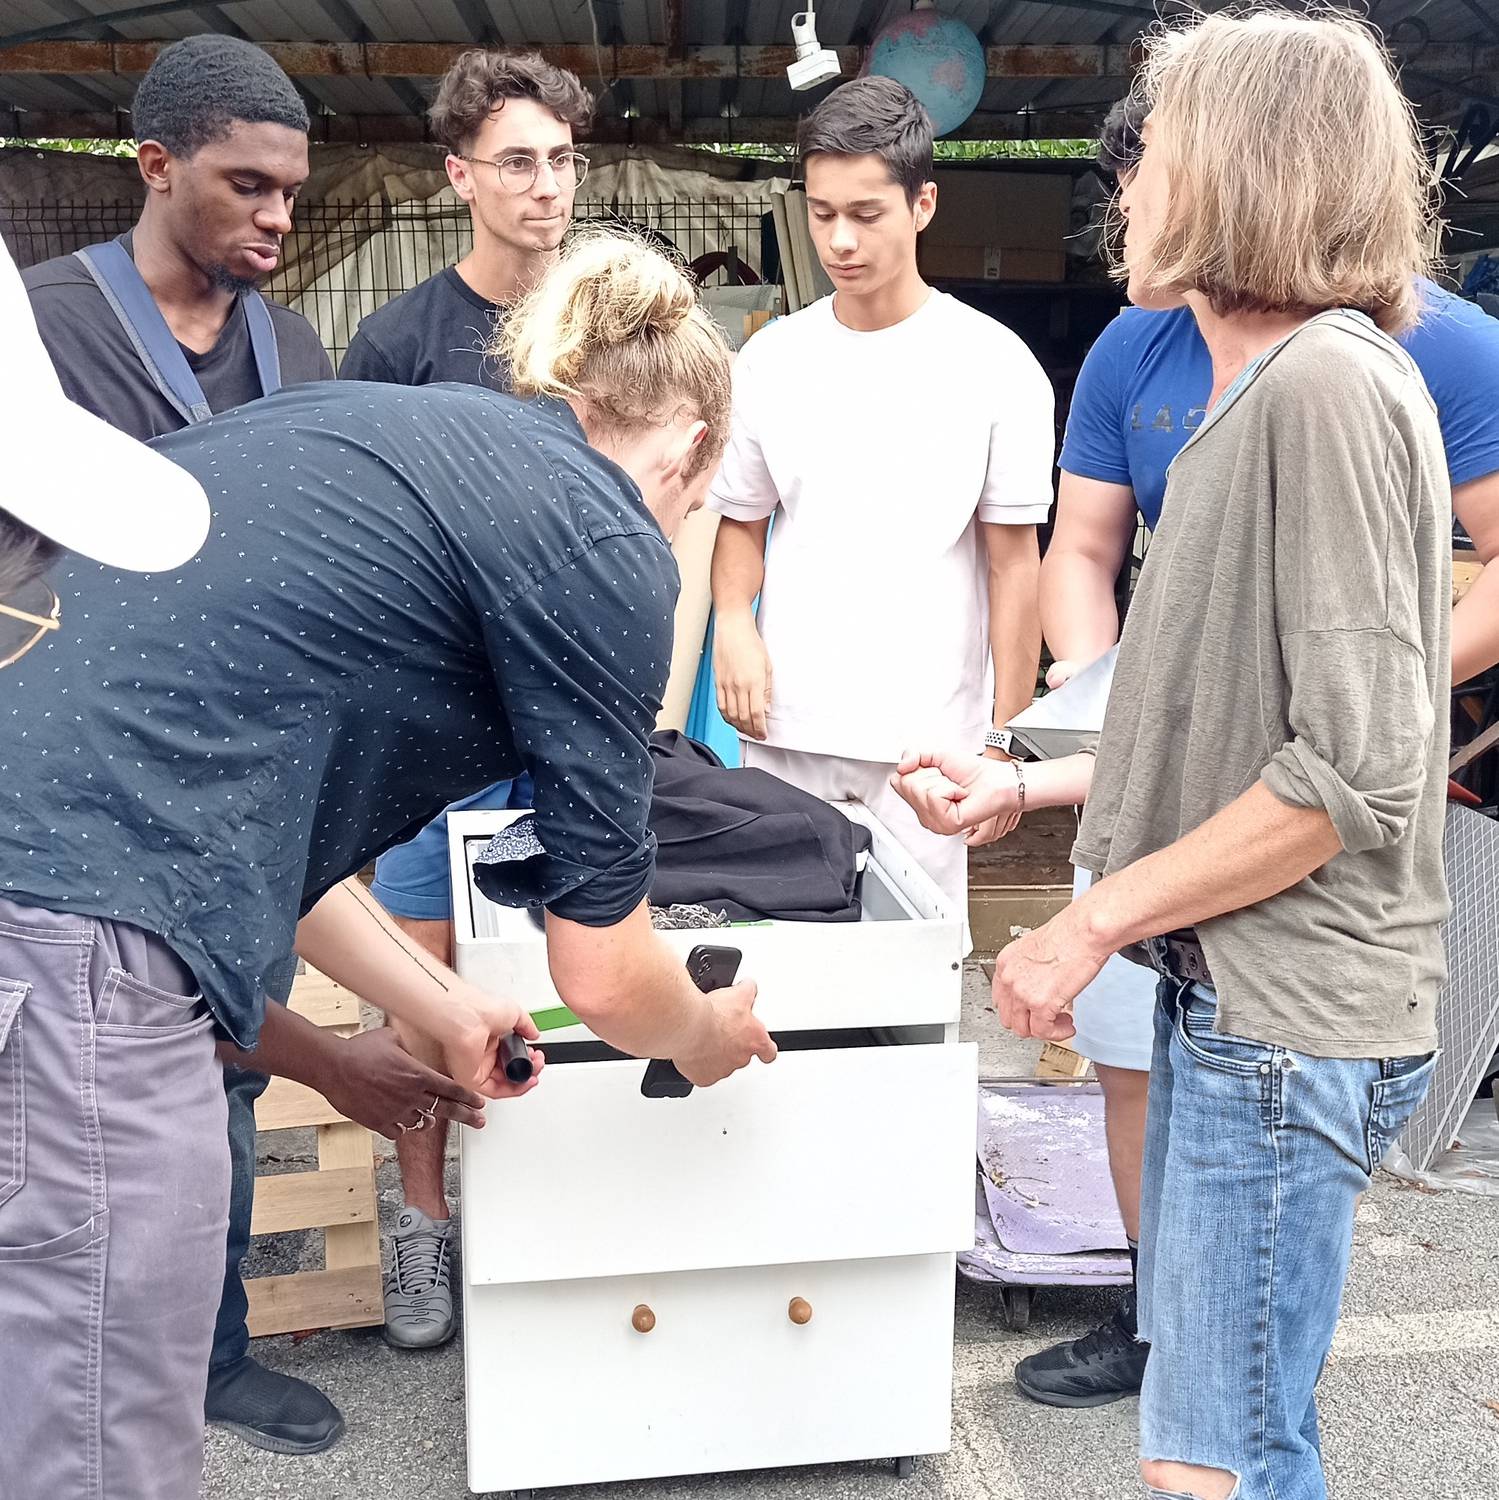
1297	177
619	326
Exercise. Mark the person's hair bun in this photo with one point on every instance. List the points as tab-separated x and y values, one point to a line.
617	323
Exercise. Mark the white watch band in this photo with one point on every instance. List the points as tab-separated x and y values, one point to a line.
998	739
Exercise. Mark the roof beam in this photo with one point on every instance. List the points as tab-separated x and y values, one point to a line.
367	129
626	60
634	60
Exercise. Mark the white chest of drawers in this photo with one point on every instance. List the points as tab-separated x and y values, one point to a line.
758	1275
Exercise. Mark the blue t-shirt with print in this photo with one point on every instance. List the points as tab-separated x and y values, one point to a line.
1144	387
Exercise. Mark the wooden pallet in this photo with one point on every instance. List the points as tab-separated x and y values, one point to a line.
338	1198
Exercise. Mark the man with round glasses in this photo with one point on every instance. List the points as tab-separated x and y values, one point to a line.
508	124
507	121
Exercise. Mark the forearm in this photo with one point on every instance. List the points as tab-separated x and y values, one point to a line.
1475	627
351	939
738	570
1255	848
1063	782
1078	613
627	986
1014	636
289	1046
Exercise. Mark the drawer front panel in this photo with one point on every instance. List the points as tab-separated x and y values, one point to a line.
562	1389
825	1155
811	975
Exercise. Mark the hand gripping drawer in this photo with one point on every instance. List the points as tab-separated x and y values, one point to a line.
824	1155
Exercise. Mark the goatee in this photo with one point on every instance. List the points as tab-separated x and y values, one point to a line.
224	280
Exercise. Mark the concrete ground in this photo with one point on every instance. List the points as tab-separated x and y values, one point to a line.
1410	1401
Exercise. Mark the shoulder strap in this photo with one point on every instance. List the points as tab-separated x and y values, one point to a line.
130	299
262	342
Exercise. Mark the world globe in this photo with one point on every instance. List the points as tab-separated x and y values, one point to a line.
938	58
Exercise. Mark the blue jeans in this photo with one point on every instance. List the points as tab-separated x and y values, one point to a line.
1255	1157
231	1338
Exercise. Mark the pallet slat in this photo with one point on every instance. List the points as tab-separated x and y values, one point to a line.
338	1199
285	1105
343	1148
313	1200
322	1002
315	1299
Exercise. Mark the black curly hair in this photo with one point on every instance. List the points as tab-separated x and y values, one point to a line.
1119	145
198	89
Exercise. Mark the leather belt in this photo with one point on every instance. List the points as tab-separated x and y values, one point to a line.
1179	956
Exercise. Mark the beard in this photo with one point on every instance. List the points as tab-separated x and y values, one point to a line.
224	280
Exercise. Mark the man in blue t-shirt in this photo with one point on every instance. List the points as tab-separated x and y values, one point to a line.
1142	391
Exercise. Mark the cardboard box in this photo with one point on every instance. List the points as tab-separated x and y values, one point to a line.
1001	210
989	263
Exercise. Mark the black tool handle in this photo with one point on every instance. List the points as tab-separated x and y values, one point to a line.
710	968
516	1057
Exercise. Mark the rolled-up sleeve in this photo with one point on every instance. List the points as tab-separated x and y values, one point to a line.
1362	718
581	660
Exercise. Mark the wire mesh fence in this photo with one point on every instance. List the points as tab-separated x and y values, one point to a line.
343	261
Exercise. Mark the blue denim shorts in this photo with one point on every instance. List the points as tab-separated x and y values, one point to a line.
412	880
1255	1157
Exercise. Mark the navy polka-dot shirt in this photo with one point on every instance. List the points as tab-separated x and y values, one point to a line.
406	594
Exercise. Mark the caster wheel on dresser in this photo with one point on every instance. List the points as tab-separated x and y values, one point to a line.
904	1467
1017	1307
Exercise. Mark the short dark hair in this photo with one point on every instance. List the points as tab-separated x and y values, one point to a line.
25	554
873	116
480	81
1119	144
198	89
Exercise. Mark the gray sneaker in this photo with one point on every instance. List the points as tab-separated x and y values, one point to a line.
419	1283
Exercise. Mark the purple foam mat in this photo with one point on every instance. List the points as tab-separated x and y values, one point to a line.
1044	1168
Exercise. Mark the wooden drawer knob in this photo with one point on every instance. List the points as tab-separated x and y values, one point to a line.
799	1311
642	1319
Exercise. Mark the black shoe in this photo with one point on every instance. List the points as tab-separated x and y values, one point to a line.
269	1410
1105	1365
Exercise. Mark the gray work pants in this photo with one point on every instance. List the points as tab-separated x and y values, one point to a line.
114	1185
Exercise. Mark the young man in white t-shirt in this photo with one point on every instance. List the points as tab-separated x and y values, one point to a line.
903	442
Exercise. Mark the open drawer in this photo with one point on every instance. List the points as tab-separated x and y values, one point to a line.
900	966
833	1154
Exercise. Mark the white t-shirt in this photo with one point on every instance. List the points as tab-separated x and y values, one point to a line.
882	452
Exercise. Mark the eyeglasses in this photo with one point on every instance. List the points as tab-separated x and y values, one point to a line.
518	173
33	626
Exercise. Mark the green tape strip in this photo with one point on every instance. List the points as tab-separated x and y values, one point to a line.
554	1019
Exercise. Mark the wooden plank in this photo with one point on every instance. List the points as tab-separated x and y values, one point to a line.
340	1148
1058	1060
82	59
99	125
286	1105
1478	745
315	1200
995	914
1465	570
315	1299
323	1002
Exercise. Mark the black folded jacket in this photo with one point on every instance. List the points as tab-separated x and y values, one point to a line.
741	842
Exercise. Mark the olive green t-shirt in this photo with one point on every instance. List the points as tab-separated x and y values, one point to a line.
1291	626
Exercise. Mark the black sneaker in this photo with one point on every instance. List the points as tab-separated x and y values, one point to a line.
1105	1365
269	1410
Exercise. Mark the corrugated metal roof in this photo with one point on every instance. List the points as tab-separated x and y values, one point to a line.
705	23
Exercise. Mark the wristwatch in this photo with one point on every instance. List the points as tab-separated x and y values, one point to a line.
998	739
